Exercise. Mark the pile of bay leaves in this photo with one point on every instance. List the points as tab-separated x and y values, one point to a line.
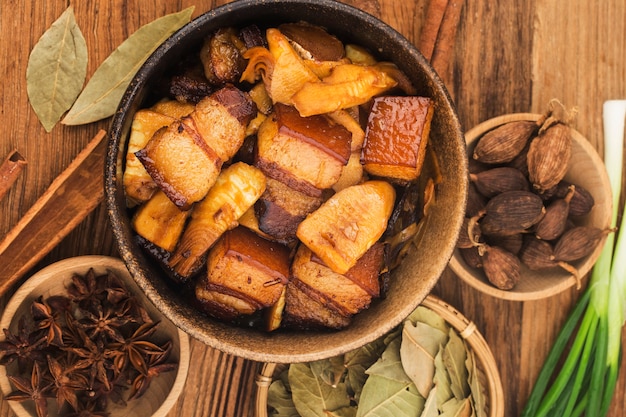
423	368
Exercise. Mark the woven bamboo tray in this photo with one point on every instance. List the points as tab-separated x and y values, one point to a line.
466	329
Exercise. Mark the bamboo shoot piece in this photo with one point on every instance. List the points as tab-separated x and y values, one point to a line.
235	191
348	224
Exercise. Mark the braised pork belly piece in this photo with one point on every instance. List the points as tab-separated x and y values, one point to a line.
396	137
246	266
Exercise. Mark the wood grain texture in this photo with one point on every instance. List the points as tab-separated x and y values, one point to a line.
508	57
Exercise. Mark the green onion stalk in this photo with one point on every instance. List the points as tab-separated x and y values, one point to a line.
582	380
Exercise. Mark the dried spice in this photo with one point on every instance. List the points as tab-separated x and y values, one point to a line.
578	242
505	142
548	157
57	67
84	348
103	92
494	181
581	201
502	268
537	254
512	212
553	224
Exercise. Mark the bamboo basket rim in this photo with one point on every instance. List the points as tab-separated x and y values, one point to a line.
467	330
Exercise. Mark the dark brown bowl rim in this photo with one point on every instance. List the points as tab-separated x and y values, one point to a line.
351	23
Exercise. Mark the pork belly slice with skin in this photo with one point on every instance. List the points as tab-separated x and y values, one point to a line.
235	191
308	154
220	303
250	265
180	163
396	136
333	289
222	118
185	158
350	222
280	209
304	312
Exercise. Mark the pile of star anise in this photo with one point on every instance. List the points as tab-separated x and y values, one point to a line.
86	349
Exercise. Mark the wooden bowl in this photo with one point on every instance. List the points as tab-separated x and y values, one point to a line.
409	284
586	170
52	280
486	363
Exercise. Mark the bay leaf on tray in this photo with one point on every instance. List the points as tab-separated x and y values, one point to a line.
477	386
330	371
279	400
420	344
428	316
388	391
358	361
430	406
389	365
384	397
102	94
312	396
454	355
457	408
56	70
442	381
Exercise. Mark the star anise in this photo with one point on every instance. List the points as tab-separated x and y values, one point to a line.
67	382
47	319
91	357
33	390
103	322
24	346
134	349
156	365
85	290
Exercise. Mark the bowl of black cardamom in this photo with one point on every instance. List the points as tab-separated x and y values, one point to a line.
539	206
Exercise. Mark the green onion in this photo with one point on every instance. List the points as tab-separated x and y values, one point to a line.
583	379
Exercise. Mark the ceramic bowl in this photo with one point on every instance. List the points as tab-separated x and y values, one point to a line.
163	391
409	284
587	170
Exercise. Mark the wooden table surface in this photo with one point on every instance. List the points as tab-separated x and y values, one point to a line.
510	56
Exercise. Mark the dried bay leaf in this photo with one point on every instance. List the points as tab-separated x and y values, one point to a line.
343	412
56	71
420	344
279	400
389	365
101	96
457	408
384	397
454	355
358	361
442	381
428	316
430	406
477	385
330	371
312	396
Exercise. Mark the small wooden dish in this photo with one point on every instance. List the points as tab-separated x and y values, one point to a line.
586	170
466	329
52	280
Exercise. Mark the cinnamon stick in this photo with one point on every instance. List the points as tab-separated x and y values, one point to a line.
74	194
10	170
446	36
428	36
